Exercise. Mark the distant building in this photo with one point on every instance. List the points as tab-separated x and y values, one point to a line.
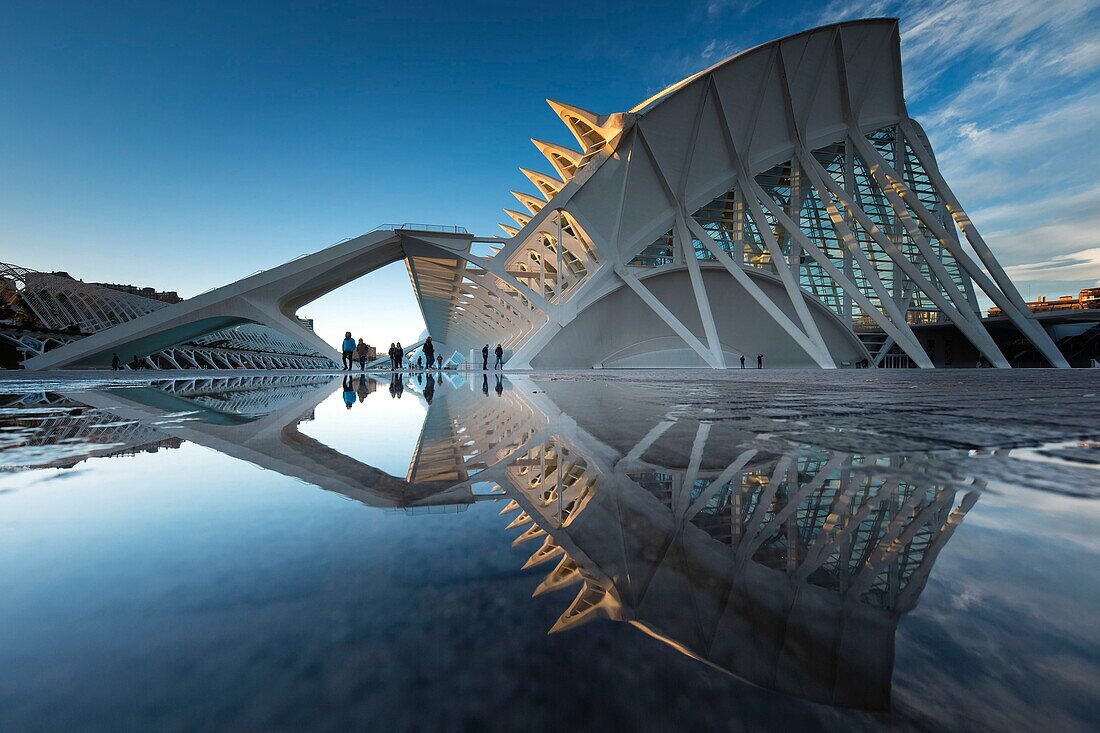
164	296
1087	299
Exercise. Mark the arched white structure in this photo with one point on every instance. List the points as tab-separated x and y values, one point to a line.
780	202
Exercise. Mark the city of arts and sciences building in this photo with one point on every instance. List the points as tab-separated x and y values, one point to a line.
780	203
263	543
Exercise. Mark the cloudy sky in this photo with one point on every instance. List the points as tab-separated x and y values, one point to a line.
184	145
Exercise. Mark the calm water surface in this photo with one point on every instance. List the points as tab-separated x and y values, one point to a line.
782	550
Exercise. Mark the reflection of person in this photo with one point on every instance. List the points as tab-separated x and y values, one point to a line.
361	352
364	388
349	393
348	348
485	357
429	390
499	351
485	383
499	387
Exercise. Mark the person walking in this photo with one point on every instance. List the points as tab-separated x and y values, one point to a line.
348	349
399	355
429	352
361	351
485	358
759	361
420	362
439	360
742	361
499	351
116	363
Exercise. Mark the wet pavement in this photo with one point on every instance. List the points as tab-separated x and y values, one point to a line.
631	550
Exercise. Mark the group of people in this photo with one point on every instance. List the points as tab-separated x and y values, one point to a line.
498	351
397	356
759	361
351	391
352	350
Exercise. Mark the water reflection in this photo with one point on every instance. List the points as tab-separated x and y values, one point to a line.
783	563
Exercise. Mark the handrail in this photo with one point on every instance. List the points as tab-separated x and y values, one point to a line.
442	228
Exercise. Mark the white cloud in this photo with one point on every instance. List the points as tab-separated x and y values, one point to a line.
1083	265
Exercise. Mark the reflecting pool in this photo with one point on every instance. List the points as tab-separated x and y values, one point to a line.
788	550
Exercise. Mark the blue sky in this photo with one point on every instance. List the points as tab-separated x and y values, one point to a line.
183	145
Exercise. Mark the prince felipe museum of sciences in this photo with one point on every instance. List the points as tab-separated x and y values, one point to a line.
781	202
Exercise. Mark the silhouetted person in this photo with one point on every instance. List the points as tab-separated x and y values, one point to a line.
485	384
399	355
363	390
361	352
439	361
116	363
429	390
485	357
499	351
134	363
500	387
348	350
393	359
420	362
349	392
742	361
759	361
429	352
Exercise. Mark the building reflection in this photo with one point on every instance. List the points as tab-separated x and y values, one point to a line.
786	565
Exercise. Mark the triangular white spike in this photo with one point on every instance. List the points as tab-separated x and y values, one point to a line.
591	603
522	519
565	574
511	506
533	532
510	230
545	183
548	551
518	217
531	203
564	160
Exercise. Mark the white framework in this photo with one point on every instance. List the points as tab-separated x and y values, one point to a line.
781	202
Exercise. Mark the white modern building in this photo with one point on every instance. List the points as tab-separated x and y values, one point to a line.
780	203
